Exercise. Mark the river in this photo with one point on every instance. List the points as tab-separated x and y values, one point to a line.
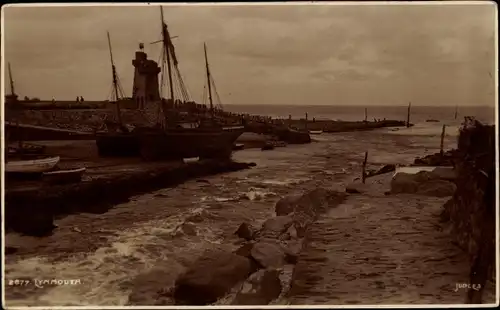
128	254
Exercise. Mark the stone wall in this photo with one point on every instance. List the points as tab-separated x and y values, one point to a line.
471	211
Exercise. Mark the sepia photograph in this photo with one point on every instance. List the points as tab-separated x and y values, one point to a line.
272	154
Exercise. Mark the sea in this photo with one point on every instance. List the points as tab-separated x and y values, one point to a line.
132	254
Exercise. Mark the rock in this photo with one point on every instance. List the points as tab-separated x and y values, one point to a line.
245	231
268	254
152	287
355	188
422	183
185	228
437	188
260	288
275	226
292	232
195	218
314	201
291	257
404	183
286	205
210	277
245	250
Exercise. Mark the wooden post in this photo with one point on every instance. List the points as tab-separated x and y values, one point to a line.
456	112
442	140
306	120
363	176
366	114
408	116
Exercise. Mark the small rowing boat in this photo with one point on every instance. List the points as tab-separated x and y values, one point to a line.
64	176
31	166
315	132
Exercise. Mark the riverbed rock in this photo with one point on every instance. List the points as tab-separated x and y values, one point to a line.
153	287
245	250
422	183
404	183
275	226
313	202
286	205
261	288
186	228
269	254
245	231
437	188
210	277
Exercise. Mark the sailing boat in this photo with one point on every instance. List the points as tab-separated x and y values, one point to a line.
11	99
213	122
117	140
168	140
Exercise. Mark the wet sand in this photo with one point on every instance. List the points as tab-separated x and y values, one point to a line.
134	251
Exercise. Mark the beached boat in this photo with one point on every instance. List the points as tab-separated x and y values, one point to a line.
64	176
315	132
31	166
167	139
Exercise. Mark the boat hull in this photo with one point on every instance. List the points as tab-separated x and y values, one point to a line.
31	166
186	144
175	144
64	176
118	145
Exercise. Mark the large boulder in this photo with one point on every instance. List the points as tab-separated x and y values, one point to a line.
437	188
245	231
269	254
404	183
210	277
314	201
260	288
275	226
286	205
423	183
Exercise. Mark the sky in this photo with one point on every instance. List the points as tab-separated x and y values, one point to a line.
265	54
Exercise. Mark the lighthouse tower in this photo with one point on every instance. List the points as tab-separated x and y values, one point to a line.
146	88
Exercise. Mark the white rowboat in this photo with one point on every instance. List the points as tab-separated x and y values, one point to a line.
315	132
32	166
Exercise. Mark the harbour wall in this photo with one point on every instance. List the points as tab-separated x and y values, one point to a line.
43	202
471	211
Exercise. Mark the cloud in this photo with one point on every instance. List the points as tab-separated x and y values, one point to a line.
266	53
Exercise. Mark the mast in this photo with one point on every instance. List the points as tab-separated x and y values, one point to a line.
166	49
115	82
208	82
12	91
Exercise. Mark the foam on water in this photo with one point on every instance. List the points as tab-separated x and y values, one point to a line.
103	272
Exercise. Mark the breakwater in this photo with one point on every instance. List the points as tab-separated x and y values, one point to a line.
43	202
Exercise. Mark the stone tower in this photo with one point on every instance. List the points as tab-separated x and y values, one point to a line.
146	87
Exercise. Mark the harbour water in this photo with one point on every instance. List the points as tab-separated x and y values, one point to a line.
132	252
